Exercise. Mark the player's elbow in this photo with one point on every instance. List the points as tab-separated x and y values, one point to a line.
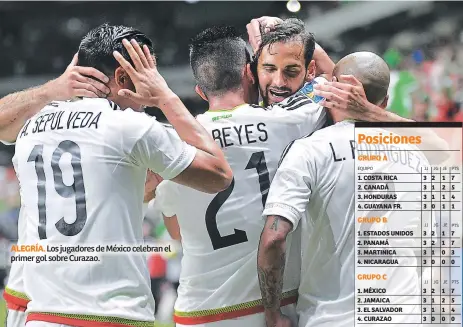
272	241
220	179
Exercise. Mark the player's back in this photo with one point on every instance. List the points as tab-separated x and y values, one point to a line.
81	186
220	233
327	286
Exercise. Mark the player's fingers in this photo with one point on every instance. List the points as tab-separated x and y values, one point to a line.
133	54
131	96
149	56
327	87
97	84
125	64
349	79
92	72
141	54
78	86
73	61
338	86
330	96
85	93
254	33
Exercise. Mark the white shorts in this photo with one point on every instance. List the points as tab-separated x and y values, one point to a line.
255	320
44	324
15	318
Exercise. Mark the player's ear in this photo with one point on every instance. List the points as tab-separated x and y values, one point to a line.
249	74
122	79
200	93
384	103
311	71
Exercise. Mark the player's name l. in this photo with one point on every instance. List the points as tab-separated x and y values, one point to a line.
385	233
380	206
378	177
378	261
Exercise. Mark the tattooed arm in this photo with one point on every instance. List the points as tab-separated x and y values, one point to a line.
17	108
271	259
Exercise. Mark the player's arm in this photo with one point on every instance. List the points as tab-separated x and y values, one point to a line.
209	171
172	227
17	108
287	201
271	260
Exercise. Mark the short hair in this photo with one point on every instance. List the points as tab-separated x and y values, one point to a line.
291	29
97	47
217	57
370	69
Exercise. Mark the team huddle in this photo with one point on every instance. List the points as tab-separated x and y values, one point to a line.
264	213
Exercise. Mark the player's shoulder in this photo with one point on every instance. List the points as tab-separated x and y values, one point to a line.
339	130
245	110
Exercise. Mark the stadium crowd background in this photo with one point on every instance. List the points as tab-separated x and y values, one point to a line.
421	41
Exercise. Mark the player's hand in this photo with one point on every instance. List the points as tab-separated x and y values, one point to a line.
347	95
258	26
149	84
152	182
77	81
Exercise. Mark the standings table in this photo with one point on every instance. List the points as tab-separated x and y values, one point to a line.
408	224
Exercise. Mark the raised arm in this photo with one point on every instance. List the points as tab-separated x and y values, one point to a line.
209	172
17	108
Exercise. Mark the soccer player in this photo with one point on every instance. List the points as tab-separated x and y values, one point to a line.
220	233
15	109
82	167
314	188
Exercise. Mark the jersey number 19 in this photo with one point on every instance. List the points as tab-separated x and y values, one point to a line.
76	190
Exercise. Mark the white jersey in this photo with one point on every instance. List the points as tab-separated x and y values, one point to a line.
220	232
82	169
314	188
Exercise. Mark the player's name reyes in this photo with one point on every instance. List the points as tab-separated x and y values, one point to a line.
247	134
66	119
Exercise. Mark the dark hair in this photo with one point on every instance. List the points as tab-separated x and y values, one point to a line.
291	29
217	58
97	47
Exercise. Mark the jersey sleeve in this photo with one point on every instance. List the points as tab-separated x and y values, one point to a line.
164	198
292	185
302	109
155	147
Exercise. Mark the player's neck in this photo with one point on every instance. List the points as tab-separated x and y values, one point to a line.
227	101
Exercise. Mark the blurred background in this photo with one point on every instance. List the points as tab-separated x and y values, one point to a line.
421	41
